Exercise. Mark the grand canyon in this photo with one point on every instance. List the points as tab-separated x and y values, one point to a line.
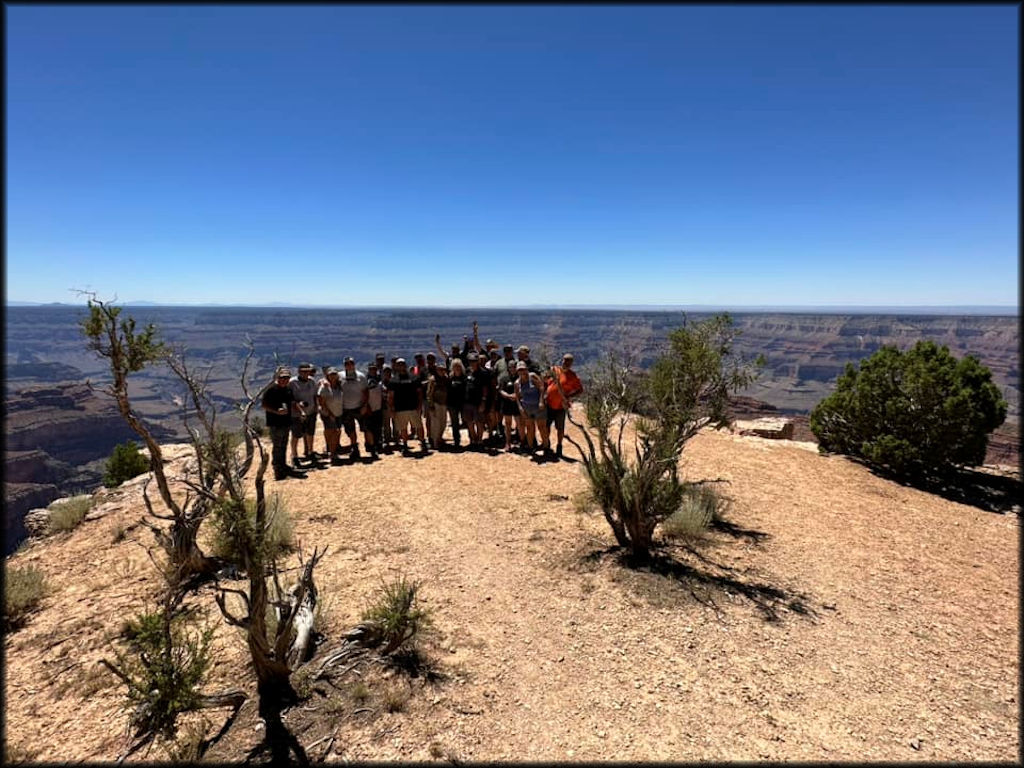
59	430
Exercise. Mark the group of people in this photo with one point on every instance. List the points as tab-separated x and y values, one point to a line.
492	389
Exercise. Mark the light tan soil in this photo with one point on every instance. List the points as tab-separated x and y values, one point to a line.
839	616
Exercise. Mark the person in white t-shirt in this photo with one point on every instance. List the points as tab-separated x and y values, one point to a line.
303	412
355	403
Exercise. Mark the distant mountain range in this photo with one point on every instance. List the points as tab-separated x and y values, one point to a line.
970	309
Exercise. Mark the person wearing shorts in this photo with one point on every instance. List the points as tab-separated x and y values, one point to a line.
406	398
509	405
437	405
375	403
304	408
532	407
330	396
354	398
564	386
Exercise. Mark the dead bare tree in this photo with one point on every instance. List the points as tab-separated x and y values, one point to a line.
218	483
128	351
276	651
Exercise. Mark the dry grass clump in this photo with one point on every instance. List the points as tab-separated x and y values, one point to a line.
24	588
395	699
584	503
66	514
701	506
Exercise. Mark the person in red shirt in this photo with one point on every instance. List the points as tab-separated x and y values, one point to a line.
563	386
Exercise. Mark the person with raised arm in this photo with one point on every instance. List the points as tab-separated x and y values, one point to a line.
455	354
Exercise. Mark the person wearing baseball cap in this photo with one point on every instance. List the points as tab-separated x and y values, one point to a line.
562	388
507	363
507	399
331	399
374	420
529	390
355	404
523	353
405	396
304	412
277	403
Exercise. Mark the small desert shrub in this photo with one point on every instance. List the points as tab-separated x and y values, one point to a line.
228	526
164	666
395	699
395	613
701	506
124	463
635	481
24	589
359	693
583	503
302	681
65	515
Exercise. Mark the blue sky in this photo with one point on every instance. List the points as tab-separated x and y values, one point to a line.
514	155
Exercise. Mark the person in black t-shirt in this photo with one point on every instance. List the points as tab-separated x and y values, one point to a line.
405	396
277	402
472	410
456	398
491	405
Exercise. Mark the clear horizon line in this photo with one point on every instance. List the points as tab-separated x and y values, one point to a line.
1003	308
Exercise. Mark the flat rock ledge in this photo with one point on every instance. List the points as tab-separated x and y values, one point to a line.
178	459
773	428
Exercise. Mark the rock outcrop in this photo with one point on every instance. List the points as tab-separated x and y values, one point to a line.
18	499
51	431
772	428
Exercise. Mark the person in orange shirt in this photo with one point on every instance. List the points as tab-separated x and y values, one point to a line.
563	386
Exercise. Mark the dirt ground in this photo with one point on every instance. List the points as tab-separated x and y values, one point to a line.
835	616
